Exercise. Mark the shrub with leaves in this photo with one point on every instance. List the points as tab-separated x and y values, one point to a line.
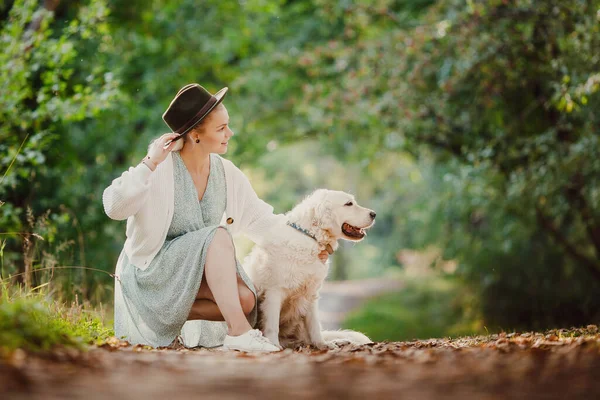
31	321
46	84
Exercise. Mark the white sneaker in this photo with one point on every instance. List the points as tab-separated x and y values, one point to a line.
251	341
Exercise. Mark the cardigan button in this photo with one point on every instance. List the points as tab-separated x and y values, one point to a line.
229	220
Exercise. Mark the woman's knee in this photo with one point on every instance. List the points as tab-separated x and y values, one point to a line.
246	298
222	239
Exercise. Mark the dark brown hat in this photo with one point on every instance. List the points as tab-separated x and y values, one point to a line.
191	104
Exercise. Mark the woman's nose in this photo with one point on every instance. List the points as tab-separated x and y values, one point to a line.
231	133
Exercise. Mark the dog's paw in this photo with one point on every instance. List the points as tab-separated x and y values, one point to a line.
337	343
323	345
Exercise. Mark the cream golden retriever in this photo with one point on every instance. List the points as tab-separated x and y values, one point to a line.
288	274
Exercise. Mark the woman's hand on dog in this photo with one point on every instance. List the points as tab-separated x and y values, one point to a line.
324	256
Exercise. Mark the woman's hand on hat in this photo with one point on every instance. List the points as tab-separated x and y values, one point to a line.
157	152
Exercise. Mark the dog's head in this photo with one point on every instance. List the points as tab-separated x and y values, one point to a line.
337	214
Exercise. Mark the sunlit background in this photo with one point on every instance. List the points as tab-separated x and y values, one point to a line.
471	127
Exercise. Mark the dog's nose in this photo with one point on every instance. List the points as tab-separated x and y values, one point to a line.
372	214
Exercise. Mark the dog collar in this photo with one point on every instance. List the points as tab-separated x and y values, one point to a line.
305	231
310	235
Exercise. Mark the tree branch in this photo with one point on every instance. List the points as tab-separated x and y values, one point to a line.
593	266
49	5
36	23
590	223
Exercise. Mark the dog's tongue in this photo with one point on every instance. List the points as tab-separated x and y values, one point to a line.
352	228
355	229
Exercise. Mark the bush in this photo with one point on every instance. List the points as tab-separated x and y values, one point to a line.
32	322
423	309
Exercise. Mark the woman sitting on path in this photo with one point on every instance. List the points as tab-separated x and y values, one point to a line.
178	275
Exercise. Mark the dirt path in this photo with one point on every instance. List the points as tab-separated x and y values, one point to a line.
559	364
338	298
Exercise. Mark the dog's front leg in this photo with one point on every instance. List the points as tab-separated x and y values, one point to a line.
271	310
313	326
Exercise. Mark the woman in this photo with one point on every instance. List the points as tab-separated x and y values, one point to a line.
177	273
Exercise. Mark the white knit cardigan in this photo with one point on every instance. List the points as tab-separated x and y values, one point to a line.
146	199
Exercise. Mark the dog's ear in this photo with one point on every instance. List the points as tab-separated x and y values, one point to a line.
323	215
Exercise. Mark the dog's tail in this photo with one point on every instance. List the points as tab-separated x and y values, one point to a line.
346	335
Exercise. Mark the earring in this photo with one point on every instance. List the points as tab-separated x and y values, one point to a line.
197	140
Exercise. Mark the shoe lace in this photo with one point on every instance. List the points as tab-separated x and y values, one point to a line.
257	334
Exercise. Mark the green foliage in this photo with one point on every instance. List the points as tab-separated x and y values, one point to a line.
505	95
493	88
47	85
523	280
434	307
503	102
30	321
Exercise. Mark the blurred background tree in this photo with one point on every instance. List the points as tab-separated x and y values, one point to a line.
49	82
470	127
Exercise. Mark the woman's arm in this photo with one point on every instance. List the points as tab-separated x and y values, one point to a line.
126	194
257	216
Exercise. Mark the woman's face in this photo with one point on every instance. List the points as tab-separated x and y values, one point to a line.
216	131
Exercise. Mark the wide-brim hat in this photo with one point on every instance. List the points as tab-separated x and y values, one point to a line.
190	106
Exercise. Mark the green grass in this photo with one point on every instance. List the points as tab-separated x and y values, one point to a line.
430	307
35	322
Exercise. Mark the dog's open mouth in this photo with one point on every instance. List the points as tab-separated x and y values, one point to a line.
353	231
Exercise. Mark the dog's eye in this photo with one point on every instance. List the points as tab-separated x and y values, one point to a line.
349	204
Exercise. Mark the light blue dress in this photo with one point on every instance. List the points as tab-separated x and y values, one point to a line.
162	295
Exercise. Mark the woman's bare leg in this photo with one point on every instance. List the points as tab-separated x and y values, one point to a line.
206	308
221	277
